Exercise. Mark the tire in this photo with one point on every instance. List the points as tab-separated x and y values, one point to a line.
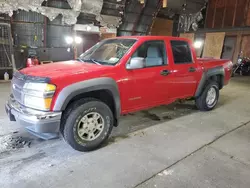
202	103
85	110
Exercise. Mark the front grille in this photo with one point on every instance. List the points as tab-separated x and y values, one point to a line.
18	82
17	86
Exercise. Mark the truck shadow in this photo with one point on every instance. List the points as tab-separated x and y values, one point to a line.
137	121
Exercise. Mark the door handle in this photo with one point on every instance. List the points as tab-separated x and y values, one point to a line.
192	69
165	72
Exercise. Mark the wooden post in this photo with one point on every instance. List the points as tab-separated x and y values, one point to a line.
154	17
237	47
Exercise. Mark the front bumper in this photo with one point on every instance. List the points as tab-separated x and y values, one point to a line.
41	122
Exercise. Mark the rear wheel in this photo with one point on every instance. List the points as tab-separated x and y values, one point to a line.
88	125
209	97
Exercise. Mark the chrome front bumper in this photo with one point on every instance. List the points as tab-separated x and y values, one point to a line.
41	122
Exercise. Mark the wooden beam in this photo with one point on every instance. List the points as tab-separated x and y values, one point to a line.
235	8
224	13
246	13
154	17
215	7
164	4
208	5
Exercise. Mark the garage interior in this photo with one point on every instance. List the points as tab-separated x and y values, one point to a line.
168	146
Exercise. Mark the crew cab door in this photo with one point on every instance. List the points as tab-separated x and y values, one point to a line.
151	81
184	69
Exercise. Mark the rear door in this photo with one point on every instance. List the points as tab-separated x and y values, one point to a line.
184	72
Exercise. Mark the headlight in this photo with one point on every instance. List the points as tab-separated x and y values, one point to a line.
38	95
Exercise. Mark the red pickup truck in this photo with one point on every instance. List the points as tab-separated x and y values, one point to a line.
84	98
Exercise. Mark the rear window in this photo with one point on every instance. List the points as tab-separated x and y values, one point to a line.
181	52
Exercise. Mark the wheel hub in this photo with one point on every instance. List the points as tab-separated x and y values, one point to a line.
90	126
211	96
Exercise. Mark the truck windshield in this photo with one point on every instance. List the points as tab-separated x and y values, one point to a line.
107	52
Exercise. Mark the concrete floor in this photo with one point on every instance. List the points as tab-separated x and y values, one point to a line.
169	146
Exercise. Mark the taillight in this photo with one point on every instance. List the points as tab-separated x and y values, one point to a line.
230	65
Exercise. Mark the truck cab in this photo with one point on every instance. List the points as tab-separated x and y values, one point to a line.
84	98
168	70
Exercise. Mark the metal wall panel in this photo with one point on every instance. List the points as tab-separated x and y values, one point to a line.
56	21
56	35
124	33
4	17
147	20
30	34
130	17
55	54
24	16
142	28
127	26
5	47
59	4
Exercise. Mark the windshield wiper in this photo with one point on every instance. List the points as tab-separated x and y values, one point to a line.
96	62
89	60
78	59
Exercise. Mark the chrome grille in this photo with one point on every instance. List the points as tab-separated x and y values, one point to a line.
17	86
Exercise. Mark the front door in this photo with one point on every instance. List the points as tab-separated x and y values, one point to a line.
151	82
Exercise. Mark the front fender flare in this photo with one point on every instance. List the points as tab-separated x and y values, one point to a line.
71	91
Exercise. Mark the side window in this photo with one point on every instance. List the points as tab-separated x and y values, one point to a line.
153	52
181	52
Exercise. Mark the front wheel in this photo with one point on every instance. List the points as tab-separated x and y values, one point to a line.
209	97
88	125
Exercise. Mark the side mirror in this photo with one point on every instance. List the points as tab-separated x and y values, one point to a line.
135	63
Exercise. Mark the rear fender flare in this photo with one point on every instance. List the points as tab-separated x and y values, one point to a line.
71	91
208	74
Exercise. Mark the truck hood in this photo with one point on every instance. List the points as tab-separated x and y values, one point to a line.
60	69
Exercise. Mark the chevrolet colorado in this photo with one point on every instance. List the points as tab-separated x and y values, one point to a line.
84	98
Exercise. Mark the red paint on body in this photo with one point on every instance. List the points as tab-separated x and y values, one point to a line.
141	88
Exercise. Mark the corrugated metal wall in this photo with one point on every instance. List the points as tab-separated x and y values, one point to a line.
5	47
28	34
35	30
138	18
56	35
27	28
58	4
27	16
32	29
